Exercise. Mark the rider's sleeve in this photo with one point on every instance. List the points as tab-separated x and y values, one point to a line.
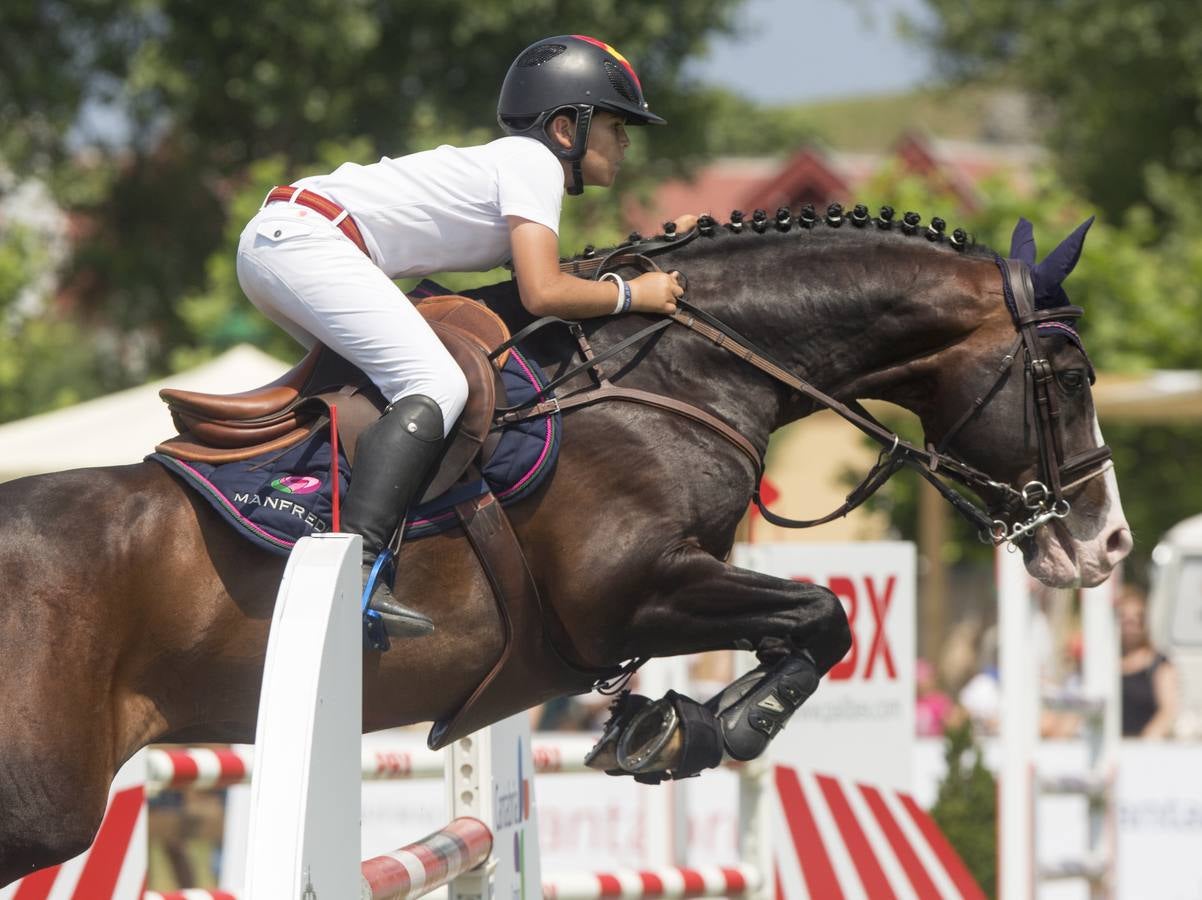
530	182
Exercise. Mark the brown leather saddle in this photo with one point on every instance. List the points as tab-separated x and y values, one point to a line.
217	428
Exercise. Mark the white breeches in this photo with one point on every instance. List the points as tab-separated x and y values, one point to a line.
307	277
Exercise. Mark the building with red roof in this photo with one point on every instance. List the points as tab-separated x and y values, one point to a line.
820	176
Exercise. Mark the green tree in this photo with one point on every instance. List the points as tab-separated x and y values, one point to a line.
1120	83
46	360
966	807
206	90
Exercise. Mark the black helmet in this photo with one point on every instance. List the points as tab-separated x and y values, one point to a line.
569	72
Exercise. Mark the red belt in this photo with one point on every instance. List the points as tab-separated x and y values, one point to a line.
327	208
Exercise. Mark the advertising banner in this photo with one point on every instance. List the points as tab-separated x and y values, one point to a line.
860	722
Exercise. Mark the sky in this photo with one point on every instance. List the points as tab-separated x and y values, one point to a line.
786	51
805	50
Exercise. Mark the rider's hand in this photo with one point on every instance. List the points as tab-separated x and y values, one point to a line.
655	292
684	223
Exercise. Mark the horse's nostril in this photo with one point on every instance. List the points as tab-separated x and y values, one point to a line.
1119	544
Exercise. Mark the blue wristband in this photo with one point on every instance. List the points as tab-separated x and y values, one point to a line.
625	296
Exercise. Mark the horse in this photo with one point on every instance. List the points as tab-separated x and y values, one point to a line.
130	614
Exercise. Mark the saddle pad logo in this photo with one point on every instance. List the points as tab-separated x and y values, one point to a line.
296	484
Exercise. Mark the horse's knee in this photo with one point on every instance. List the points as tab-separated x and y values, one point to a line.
828	635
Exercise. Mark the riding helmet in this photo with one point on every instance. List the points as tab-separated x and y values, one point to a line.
569	72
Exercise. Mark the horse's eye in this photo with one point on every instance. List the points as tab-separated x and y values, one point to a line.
1072	380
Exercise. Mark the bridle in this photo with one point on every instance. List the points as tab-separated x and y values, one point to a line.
1034	505
1043	500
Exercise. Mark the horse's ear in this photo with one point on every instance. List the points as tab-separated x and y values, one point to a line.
1057	265
1022	242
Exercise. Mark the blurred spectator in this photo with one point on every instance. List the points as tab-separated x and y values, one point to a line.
586	712
932	707
1149	679
958	653
1060	723
982	696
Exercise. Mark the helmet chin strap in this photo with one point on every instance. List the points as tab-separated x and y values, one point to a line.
577	186
584	121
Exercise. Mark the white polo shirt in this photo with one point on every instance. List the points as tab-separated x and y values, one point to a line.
444	210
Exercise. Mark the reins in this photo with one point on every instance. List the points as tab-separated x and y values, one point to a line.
1042	501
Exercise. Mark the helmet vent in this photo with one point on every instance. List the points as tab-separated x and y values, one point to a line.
539	54
620	82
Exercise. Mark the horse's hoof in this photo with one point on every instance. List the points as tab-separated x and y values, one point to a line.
674	737
604	755
652	742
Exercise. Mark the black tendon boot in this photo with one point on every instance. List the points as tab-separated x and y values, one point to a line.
391	462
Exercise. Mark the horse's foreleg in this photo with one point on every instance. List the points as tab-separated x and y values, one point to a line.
701	603
800	628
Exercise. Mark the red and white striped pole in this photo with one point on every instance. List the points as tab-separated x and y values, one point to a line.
173	768
667	882
427	864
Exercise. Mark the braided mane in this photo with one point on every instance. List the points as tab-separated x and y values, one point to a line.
807	219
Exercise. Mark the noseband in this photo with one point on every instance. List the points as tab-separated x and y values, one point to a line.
1036	504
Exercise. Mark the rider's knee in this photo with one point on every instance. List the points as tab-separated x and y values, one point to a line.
446	385
452	397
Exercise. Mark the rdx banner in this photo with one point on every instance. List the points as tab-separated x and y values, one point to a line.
860	722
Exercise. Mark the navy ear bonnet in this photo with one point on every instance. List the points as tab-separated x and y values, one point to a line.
1048	276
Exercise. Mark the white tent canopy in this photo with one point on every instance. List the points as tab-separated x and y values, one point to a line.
123	427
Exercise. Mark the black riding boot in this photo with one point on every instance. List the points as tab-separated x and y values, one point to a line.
391	462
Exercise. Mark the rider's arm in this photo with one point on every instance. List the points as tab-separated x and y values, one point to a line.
546	291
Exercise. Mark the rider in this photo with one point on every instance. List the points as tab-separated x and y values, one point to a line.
319	258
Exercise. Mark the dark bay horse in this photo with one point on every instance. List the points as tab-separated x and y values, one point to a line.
130	614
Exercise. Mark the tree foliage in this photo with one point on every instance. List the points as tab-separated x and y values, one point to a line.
1122	82
966	807
161	123
45	360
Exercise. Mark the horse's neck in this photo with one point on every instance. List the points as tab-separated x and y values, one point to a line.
857	322
867	323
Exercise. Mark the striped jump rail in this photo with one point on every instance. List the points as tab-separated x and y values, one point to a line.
667	882
174	768
412	871
429	864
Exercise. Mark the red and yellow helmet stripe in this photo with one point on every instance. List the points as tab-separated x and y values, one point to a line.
616	55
